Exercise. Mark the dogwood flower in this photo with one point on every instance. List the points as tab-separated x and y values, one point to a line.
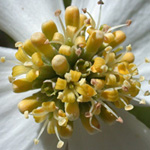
72	87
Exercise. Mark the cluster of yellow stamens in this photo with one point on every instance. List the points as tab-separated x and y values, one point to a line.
79	74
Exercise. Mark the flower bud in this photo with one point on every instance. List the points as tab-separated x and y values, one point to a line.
119	38
72	16
95	40
38	39
49	28
28	104
60	64
29	48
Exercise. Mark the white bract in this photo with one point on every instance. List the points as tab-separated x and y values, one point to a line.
20	19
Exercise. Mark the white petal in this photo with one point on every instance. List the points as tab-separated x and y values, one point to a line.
130	135
20	19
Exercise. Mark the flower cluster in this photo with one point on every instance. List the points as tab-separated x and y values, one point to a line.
79	74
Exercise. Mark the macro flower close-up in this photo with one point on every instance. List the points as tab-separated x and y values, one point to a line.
77	76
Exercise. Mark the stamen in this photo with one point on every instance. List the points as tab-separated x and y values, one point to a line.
128	22
147	60
2	59
90	112
36	140
127	106
142	78
93	22
57	14
119	119
26	114
18	44
100	2
147	93
110	110
129	48
60	143
141	101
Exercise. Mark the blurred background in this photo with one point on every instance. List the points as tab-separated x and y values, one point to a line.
6	41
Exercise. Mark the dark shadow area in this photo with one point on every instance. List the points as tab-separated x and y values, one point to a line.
6	41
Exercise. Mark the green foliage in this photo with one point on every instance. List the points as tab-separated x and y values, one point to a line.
67	3
142	114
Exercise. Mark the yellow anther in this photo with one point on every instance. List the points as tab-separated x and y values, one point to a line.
129	107
119	38
18	44
72	16
60	84
110	95
98	63
49	28
108	37
37	59
60	144
65	50
38	39
147	93
147	60
128	57
36	141
2	59
75	75
142	101
111	79
72	111
28	104
80	41
21	85
58	37
95	40
129	48
29	48
142	78
60	64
